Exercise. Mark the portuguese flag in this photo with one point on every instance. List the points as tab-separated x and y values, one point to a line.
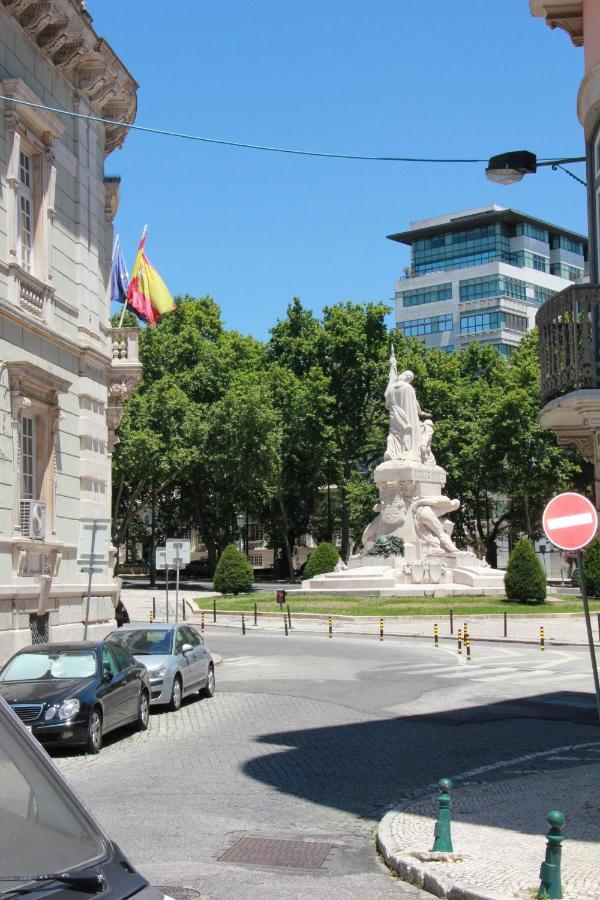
148	296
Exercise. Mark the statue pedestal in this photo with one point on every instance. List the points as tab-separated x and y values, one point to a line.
411	514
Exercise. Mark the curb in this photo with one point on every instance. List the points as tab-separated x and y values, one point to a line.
420	874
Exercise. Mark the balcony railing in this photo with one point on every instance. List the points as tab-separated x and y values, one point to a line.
125	345
568	324
33	519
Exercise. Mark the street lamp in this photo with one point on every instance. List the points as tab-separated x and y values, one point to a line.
508	168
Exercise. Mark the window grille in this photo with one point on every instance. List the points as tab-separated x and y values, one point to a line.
39	627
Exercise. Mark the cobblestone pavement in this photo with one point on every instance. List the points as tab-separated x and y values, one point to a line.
315	739
486	817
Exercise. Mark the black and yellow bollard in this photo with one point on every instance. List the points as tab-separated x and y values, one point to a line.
468	646
151	617
465	632
330	626
243	624
460	641
381	629
542	640
436	637
202	623
256	613
285	624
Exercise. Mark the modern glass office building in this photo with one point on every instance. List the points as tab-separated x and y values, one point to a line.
480	275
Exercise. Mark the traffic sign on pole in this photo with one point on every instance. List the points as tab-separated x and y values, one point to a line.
570	521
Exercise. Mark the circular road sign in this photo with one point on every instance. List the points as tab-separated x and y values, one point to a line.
570	521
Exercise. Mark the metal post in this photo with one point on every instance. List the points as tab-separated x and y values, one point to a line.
243	624
285	624
289	615
153	608
505	624
151	617
550	880
599	626
588	625
381	629
202	623
177	591
465	631
167	589
330	626
256	613
468	646
436	640
214	609
183	607
451	622
443	831
542	648
91	572
460	641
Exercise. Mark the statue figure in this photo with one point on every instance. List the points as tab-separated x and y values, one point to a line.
387	545
391	515
340	566
430	524
427	457
404	438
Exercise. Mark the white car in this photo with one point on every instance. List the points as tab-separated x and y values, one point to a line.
176	657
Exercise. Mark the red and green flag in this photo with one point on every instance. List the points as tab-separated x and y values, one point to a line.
148	296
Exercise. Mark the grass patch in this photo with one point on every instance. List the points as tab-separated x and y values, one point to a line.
391	606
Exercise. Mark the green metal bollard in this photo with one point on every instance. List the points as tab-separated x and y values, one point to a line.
551	886
443	835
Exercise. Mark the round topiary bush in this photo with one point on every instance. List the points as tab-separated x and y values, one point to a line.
233	573
525	578
591	567
322	559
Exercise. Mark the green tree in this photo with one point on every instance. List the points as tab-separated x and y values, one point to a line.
524	578
591	567
233	574
322	559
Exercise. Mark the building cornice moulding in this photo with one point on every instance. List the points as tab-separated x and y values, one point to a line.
62	30
564	14
40	121
588	100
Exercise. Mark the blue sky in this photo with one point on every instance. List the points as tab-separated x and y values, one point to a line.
385	77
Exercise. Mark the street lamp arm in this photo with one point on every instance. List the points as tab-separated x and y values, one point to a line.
558	162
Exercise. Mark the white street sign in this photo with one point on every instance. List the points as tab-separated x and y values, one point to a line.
99	531
161	559
178	552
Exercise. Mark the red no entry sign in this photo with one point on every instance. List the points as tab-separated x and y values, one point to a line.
570	521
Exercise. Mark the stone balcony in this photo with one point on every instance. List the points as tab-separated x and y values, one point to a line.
125	374
569	328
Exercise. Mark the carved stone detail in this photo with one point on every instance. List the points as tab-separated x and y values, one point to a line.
37	16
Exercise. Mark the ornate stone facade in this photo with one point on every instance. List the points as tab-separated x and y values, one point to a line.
65	372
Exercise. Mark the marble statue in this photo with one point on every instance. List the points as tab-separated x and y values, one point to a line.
405	435
430	525
427	429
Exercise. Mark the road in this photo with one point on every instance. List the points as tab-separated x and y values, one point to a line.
310	738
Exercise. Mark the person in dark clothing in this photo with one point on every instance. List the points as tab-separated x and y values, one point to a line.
121	614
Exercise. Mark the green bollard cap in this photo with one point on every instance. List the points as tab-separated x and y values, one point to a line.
556	818
445	784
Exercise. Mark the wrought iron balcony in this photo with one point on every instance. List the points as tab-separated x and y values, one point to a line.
568	325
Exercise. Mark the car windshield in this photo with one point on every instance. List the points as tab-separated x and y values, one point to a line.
50	665
144	641
42	827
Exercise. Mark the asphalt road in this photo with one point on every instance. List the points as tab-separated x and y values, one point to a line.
312	739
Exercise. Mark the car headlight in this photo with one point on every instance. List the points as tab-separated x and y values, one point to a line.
68	709
158	673
50	713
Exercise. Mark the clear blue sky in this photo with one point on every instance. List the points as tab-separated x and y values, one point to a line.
386	77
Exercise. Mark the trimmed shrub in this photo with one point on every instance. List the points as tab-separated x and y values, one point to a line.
233	573
322	559
591	567
525	578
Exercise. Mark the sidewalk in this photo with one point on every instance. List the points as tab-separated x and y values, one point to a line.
498	835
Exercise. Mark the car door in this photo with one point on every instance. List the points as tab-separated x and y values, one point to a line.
184	660
199	655
111	692
131	682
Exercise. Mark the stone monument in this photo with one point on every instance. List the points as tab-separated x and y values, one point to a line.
408	547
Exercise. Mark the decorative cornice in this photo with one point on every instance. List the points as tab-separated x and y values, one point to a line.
62	29
564	14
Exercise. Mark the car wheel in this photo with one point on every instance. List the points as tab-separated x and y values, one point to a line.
143	712
176	695
209	689
94	732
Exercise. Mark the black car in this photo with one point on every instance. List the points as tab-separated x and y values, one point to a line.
50	846
76	692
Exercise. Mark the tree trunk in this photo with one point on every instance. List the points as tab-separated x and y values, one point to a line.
345	524
491	552
286	539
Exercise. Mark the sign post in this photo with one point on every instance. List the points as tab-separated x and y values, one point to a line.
177	555
92	557
570	522
161	566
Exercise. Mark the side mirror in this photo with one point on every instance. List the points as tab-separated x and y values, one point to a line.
187	648
107	676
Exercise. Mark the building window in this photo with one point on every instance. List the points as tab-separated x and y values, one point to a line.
562	270
427	294
559	242
432	325
25	212
490	320
527	230
28	451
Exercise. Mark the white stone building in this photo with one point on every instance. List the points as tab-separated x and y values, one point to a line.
64	373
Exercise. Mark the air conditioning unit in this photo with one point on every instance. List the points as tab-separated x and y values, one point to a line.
33	519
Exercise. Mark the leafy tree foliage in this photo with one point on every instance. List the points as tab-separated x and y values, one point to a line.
322	559
591	567
525	578
233	574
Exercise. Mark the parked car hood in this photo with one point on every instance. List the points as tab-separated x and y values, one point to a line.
153	661
42	691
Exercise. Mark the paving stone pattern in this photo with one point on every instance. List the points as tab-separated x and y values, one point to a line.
499	830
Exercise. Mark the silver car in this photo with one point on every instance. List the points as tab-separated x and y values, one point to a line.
175	656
